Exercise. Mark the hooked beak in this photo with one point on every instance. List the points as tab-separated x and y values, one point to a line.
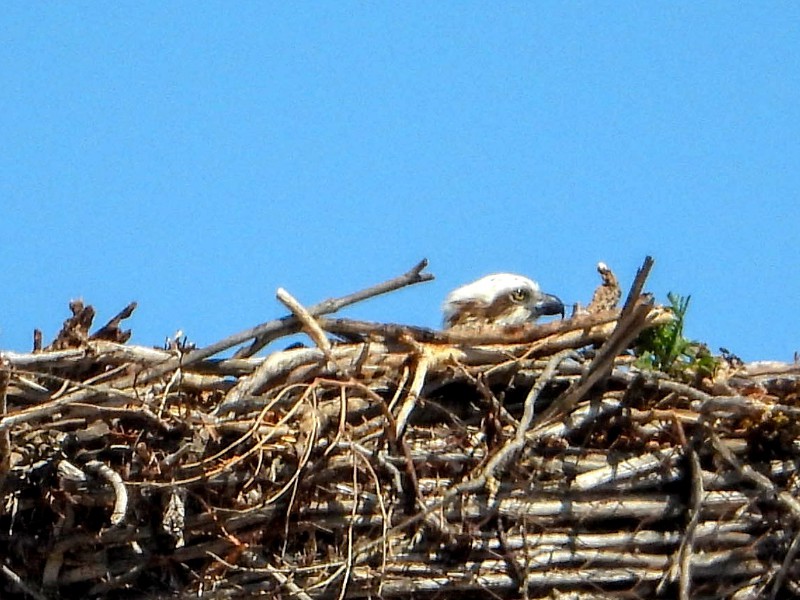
549	305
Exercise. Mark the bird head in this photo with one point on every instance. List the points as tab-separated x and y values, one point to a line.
499	299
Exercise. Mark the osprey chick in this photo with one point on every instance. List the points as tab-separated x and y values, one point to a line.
499	299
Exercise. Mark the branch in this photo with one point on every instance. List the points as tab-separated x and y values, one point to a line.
510	335
309	325
20	584
630	324
111	331
638	284
265	333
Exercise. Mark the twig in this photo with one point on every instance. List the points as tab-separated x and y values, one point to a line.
5	435
490	471
364	456
282	580
636	466
631	322
638	285
423	363
584	414
309	325
681	567
349	560
761	481
121	494
507	453
84	392
111	330
687	544
276	365
524	335
263	334
783	572
17	581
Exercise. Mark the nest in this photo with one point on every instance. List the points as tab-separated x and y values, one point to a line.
388	461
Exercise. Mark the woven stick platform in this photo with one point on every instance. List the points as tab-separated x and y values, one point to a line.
390	461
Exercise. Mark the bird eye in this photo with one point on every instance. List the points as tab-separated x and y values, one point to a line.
519	295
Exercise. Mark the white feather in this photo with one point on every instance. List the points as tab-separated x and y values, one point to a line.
485	290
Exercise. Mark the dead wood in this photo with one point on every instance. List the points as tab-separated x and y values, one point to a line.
393	461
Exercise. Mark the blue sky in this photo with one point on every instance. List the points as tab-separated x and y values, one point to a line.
196	156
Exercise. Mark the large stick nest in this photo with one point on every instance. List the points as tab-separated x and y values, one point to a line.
388	461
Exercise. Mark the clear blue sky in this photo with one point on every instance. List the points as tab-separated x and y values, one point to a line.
195	156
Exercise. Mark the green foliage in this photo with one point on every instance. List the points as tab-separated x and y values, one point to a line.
664	348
